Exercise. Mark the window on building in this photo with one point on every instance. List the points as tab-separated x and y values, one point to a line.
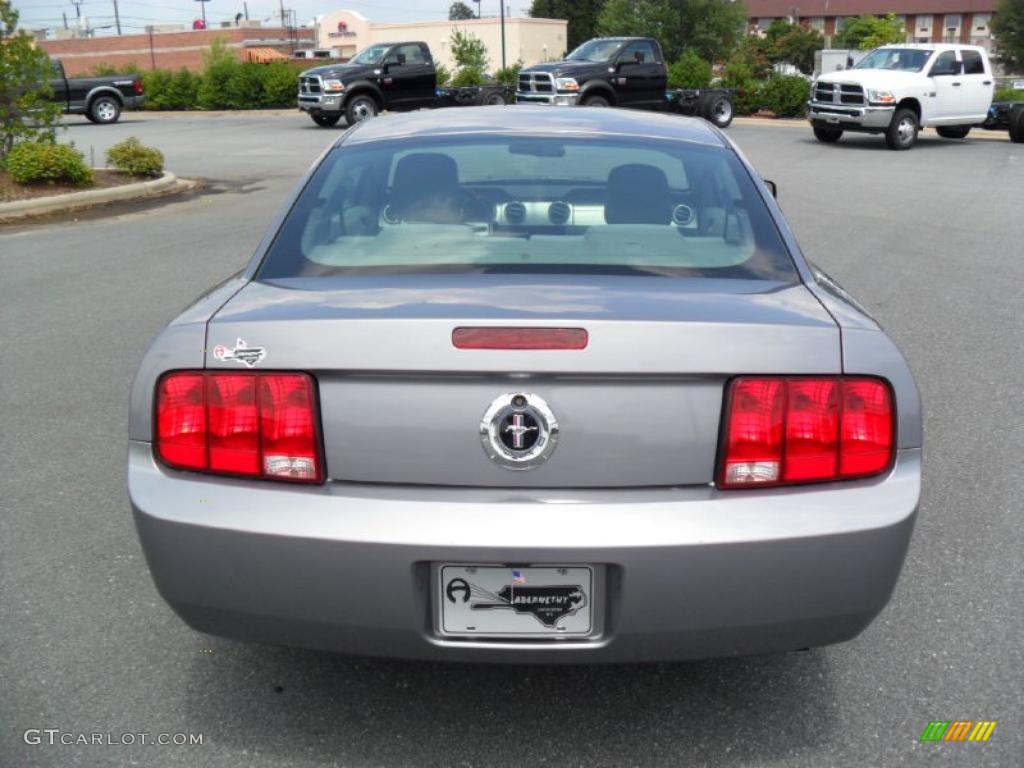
840	24
763	24
951	22
818	23
924	24
973	65
981	21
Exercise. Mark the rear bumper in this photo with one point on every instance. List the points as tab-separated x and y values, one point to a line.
684	573
849	117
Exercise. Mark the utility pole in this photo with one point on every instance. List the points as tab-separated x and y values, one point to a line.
117	18
64	14
502	2
280	4
202	4
78	8
245	7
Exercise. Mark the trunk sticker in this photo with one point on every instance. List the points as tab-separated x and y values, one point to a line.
242	353
547	604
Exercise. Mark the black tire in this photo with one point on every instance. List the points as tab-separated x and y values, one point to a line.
360	107
828	135
596	100
902	131
1017	124
493	100
719	110
953	131
324	120
104	110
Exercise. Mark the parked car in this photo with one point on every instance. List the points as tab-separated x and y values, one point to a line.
620	72
386	76
897	90
525	384
101	99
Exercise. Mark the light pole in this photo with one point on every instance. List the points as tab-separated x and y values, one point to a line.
202	4
502	2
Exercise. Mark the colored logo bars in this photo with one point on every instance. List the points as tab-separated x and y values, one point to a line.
958	730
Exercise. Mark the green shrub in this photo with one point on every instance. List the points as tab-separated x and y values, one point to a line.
468	76
690	71
132	157
244	89
110	70
219	66
509	75
739	75
32	161
280	84
786	95
157	85
444	75
1008	94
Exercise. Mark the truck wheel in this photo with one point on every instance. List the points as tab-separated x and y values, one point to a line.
494	100
828	135
1017	124
104	109
902	131
360	108
719	111
953	131
324	120
596	101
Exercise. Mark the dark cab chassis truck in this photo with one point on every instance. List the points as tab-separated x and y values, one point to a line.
101	99
387	76
620	72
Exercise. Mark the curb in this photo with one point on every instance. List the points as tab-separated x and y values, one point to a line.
72	200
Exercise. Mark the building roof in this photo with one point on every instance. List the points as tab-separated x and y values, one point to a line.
534	121
769	9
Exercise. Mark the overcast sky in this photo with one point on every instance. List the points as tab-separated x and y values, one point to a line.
136	14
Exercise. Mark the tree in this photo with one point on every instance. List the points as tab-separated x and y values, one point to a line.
690	71
581	15
709	27
1008	30
26	110
459	11
867	32
468	50
798	46
639	18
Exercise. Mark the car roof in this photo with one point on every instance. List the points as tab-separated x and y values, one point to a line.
934	46
527	120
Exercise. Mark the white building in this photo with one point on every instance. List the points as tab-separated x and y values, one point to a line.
527	39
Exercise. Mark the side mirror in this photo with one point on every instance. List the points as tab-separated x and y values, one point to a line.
772	187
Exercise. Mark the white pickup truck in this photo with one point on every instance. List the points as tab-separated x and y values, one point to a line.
898	89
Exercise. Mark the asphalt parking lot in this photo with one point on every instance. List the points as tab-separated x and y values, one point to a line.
931	240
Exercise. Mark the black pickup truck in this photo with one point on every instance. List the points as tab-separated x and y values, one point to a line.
620	72
393	76
100	99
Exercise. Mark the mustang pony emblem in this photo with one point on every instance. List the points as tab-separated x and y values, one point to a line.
242	353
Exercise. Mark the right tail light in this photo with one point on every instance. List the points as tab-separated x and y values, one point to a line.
784	430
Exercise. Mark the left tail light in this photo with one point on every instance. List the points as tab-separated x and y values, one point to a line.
263	425
137	85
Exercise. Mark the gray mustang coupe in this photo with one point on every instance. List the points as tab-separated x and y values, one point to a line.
527	384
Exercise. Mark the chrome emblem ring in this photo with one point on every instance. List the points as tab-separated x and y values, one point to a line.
519	431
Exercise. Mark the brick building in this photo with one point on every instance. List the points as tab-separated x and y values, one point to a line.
926	21
173	50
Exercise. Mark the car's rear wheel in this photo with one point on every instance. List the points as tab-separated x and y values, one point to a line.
360	108
828	135
324	120
596	101
104	110
902	131
719	111
1017	124
953	131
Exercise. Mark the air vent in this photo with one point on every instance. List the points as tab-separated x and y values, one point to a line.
515	212
559	212
682	215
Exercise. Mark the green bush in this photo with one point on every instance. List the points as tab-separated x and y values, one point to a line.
1008	94
219	67
786	95
739	75
444	75
509	75
132	157
157	86
32	161
468	76
110	70
244	89
280	84
690	71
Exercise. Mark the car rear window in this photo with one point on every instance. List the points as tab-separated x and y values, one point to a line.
508	203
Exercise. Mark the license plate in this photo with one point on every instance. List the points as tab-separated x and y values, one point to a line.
500	601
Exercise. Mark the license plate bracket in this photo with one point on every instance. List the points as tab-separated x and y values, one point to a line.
504	602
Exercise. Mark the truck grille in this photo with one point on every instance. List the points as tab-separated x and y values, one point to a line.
309	85
839	93
536	82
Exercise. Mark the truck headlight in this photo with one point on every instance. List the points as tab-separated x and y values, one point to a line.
333	86
881	97
566	84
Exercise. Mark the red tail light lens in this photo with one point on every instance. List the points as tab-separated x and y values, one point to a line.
783	430
250	424
137	86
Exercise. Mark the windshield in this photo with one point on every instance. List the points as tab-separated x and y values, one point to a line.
905	59
370	55
595	50
501	203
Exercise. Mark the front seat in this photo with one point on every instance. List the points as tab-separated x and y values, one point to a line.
425	187
637	194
